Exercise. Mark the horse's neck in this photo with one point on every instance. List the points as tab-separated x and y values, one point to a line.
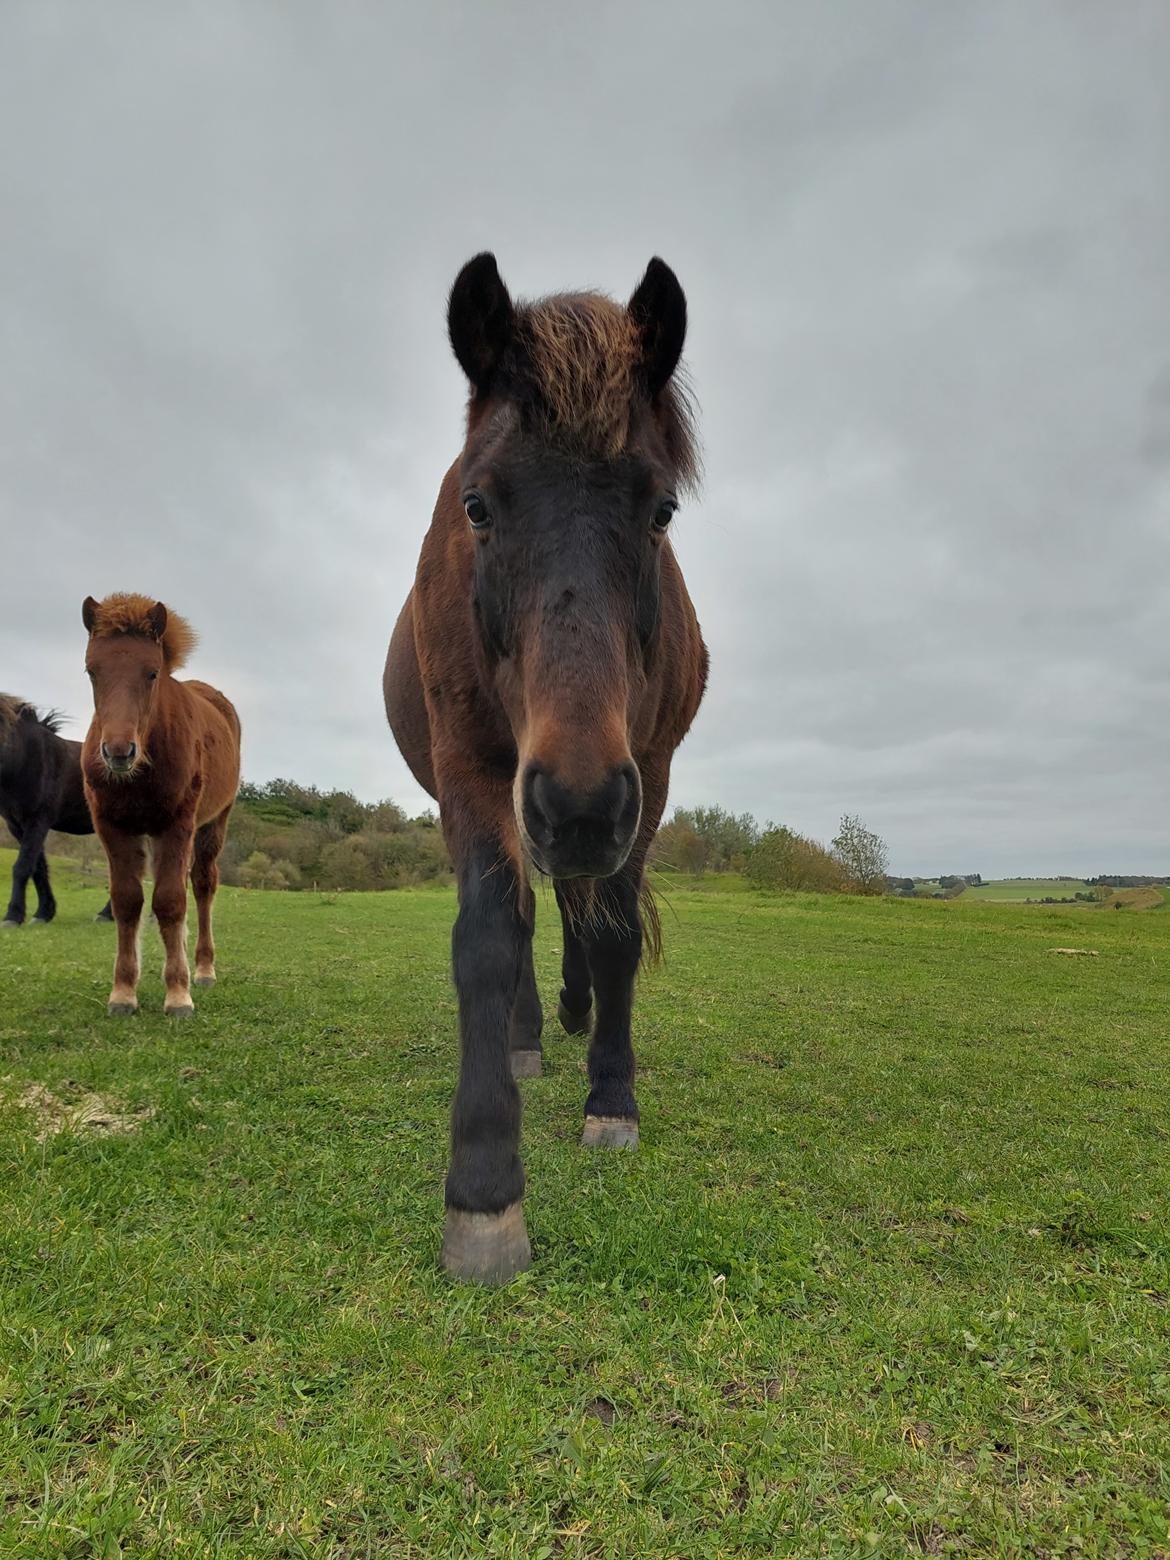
169	708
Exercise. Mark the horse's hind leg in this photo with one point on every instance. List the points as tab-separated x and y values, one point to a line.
172	861
576	992
205	880
127	859
46	903
527	1015
613	943
32	842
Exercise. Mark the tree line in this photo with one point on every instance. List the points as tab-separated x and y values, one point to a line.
698	840
284	835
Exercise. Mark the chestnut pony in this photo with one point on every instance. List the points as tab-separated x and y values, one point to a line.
161	764
545	667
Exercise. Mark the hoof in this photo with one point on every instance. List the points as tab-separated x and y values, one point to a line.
41	920
179	1010
525	1064
104	915
204	980
486	1248
609	1132
121	1009
9	926
574	1023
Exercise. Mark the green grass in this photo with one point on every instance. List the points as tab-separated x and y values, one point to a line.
889	1275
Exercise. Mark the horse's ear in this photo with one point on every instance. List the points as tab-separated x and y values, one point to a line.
659	310
89	613
157	618
480	319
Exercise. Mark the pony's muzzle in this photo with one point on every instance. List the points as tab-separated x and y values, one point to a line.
119	756
581	834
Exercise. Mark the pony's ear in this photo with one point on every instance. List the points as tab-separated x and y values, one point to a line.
157	618
659	310
480	320
89	613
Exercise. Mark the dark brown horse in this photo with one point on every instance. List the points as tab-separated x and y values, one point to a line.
161	763
545	667
40	789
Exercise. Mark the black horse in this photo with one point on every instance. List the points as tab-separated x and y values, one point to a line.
40	789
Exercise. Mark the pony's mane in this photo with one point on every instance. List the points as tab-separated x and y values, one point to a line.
583	351
13	709
125	613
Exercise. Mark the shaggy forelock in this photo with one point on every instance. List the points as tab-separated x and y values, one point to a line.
125	613
583	352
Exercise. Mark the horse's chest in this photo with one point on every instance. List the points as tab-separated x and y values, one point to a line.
138	812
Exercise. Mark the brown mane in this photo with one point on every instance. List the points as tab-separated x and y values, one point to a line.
126	613
583	352
11	709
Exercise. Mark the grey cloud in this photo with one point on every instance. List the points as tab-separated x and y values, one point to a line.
926	252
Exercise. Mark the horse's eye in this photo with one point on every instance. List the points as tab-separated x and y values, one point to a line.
664	514
151	676
476	511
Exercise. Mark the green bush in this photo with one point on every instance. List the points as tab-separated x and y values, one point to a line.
784	859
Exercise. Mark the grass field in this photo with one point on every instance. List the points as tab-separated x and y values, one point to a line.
889	1275
1019	889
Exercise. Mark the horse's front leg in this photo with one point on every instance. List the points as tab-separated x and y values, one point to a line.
485	1237
612	935
46	900
172	862
126	854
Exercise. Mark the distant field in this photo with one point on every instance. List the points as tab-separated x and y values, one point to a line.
1032	888
889	1276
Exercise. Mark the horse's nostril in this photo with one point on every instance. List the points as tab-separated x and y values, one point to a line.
538	797
622	787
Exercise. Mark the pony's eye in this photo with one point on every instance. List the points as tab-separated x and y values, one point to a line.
151	676
664	514
476	511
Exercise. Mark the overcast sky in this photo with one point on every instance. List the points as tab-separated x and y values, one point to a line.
927	254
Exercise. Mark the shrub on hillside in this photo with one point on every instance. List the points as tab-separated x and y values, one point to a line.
863	856
784	859
704	839
260	871
328	839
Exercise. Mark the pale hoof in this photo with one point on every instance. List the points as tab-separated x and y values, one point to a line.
525	1064
486	1248
609	1132
204	980
574	1023
40	920
9	926
121	1009
179	1010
